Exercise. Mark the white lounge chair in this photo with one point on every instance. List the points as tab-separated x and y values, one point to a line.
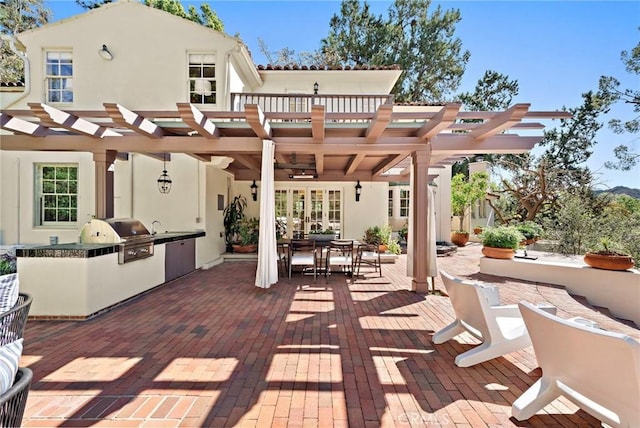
597	370
478	311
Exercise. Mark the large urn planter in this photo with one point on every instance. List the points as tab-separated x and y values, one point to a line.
251	248
498	253
609	261
460	238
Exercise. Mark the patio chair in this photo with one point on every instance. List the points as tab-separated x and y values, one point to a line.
283	258
478	311
302	252
340	253
368	255
597	370
14	400
13	321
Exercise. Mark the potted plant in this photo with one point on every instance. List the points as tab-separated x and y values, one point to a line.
233	216
403	233
501	242
247	236
378	235
7	264
394	247
608	256
465	193
530	230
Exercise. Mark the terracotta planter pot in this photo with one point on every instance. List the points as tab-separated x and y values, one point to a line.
252	248
382	248
608	262
498	253
460	238
477	230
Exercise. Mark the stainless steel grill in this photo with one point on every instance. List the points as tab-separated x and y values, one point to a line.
133	239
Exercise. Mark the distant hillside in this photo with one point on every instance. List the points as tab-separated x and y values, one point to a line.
621	190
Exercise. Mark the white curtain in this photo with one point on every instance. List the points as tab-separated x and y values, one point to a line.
432	257
267	271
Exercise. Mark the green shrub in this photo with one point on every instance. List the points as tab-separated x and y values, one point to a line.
8	264
394	247
502	237
378	235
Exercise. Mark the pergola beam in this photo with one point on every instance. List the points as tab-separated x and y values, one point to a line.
380	122
257	121
21	126
352	166
389	162
197	120
128	119
441	121
46	113
247	161
500	122
317	123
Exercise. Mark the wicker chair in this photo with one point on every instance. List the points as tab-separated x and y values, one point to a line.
13	322
13	402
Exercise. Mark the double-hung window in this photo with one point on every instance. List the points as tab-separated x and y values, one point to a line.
59	76
56	194
202	78
404	203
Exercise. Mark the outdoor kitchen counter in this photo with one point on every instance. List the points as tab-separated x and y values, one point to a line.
78	280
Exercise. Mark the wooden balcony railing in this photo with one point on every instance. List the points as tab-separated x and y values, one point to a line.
300	104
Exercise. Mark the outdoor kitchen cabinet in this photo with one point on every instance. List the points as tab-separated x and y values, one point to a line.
180	258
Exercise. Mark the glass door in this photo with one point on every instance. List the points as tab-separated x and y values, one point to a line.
308	210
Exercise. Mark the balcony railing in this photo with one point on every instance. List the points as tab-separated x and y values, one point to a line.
294	104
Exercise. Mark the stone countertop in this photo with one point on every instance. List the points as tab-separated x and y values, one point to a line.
78	250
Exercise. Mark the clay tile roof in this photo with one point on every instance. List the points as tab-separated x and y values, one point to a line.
327	67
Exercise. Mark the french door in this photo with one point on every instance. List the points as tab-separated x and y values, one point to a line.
304	210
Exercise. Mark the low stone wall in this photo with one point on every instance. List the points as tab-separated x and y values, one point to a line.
618	291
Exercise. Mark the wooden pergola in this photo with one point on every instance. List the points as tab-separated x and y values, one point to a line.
335	146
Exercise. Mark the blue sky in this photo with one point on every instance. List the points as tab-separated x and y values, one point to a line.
555	49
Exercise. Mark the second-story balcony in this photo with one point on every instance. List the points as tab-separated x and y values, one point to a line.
299	106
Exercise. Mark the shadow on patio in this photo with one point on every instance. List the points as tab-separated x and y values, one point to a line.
210	349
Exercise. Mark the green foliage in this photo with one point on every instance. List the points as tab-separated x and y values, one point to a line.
8	264
529	229
502	237
233	217
248	231
378	235
394	247
403	233
626	159
17	16
327	231
419	39
465	192
580	224
494	91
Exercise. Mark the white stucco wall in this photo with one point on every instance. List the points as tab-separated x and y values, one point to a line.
329	81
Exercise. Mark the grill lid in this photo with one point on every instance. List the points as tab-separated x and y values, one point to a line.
113	230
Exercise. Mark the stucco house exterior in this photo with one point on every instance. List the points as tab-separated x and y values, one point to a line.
105	107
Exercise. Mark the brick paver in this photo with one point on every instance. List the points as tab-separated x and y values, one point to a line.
212	350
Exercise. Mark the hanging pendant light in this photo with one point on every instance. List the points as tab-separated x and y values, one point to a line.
164	181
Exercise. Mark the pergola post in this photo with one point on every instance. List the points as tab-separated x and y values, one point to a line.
419	236
104	183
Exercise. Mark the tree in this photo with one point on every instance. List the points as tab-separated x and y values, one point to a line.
611	86
465	193
290	57
17	16
535	182
206	16
422	44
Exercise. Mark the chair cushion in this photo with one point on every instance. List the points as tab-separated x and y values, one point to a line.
9	290
9	360
302	259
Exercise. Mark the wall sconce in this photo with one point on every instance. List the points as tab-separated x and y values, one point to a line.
315	88
254	191
164	181
358	191
105	54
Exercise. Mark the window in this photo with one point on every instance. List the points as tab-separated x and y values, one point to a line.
57	194
202	78
404	203
59	75
390	204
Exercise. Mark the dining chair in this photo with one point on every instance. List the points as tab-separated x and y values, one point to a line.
302	252
340	253
368	255
283	258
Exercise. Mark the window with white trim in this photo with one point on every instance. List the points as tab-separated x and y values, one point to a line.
390	204
56	194
202	78
59	76
404	203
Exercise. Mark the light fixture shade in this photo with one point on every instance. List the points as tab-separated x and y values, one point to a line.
105	53
358	191
254	190
164	182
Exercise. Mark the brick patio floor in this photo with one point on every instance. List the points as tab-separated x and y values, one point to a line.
212	350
